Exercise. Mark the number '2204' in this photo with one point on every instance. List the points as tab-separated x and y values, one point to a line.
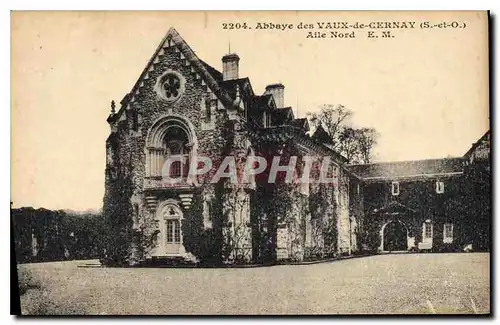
234	26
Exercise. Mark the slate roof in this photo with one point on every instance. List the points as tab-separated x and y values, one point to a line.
230	85
394	207
282	116
284	133
216	74
300	123
226	92
484	138
322	136
261	102
409	169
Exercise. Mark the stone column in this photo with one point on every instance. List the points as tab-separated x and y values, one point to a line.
161	161
155	163
148	163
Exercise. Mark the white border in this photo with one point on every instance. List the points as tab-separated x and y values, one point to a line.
493	5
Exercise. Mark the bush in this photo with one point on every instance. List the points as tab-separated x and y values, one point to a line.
209	252
313	253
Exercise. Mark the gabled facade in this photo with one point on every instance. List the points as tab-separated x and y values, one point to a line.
183	108
183	115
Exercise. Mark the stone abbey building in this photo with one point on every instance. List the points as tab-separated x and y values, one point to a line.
181	108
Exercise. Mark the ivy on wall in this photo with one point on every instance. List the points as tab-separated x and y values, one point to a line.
202	243
117	209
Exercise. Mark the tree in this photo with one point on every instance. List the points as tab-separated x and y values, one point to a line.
348	145
332	118
367	139
354	144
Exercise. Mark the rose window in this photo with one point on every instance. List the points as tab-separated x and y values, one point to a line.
172	86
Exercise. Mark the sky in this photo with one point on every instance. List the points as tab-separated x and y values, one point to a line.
424	91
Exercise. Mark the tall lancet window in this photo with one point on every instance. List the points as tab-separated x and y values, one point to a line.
177	150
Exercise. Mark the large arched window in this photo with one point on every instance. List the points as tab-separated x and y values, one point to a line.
171	136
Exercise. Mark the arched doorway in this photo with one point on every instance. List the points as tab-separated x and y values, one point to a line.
395	236
170	217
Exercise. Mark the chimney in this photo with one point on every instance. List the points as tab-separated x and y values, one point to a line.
230	64
278	92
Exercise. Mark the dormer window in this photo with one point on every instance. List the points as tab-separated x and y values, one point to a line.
439	187
395	188
266	120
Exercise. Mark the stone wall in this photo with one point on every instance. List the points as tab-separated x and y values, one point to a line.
417	202
126	147
237	230
314	223
287	225
343	220
356	213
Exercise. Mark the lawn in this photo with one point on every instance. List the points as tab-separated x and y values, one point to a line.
399	283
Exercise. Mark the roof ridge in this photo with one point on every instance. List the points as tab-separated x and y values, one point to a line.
476	144
190	55
407	161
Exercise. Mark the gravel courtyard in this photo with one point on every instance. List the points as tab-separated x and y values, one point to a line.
399	283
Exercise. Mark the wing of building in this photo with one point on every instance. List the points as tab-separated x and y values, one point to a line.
428	205
178	187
